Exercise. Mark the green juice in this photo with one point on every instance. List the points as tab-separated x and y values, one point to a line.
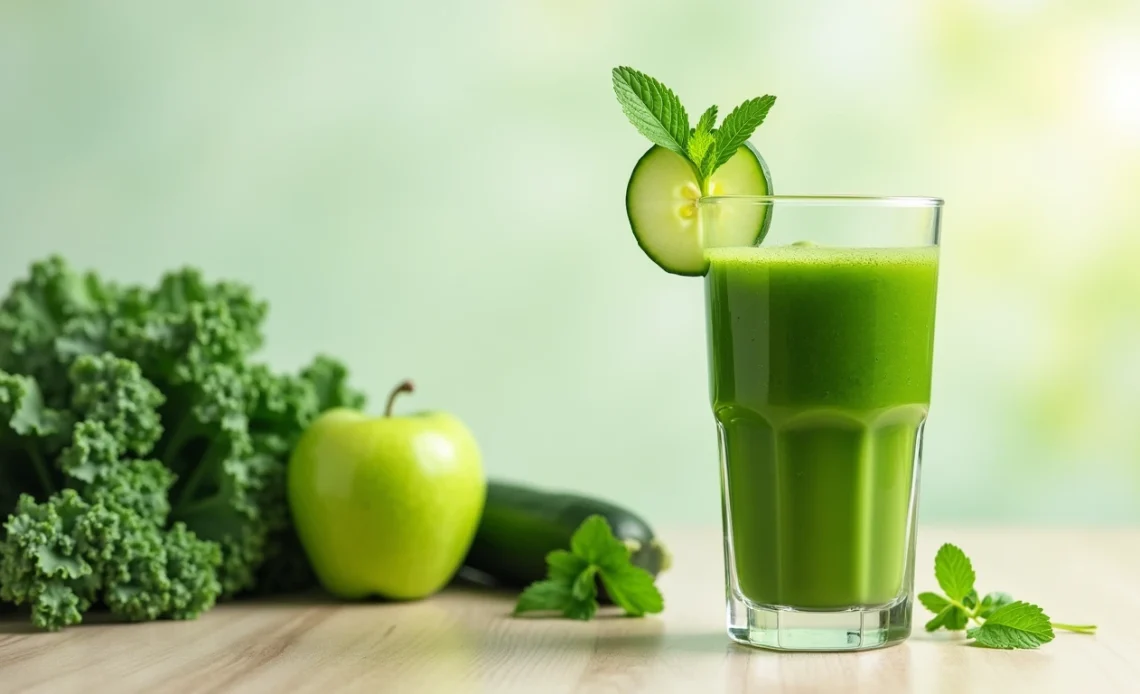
820	362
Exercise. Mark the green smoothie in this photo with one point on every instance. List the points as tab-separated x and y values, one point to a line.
820	362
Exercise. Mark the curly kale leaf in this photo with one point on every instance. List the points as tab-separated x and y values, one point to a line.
330	380
185	326
280	403
113	391
160	573
94	466
221	491
140	486
50	555
142	450
64	555
192	566
34	314
183	289
30	436
175	349
286	567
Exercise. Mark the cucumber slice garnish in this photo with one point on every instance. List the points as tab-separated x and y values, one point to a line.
661	204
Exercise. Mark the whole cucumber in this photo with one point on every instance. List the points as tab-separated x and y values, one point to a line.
521	525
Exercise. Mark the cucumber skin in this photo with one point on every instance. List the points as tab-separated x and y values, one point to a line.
521	525
633	223
765	172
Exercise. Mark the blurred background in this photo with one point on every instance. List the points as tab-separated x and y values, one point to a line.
435	190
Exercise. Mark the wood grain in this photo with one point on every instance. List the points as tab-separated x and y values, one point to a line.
463	640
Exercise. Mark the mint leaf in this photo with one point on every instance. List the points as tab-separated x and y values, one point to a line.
702	145
933	602
1005	623
594	542
571	586
993	601
951	618
585	587
653	109
575	598
956	618
707	121
971	599
954	572
739	125
938	621
1014	625
946	614
658	114
702	151
631	588
581	609
543	596
708	164
564	566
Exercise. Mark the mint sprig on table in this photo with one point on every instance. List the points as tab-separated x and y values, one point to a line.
658	114
571	586
1002	622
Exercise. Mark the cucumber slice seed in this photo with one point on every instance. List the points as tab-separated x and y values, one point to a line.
661	203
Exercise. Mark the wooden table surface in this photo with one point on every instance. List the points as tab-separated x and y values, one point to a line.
464	641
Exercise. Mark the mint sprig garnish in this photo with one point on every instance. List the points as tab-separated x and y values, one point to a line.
1016	625
708	120
571	586
657	113
740	124
954	572
653	109
1002	622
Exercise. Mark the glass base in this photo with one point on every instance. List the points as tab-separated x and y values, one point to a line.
788	629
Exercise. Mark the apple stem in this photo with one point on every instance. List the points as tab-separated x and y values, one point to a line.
405	386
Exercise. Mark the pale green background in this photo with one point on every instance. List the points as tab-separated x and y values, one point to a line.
435	190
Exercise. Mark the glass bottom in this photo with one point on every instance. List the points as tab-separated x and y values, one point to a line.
788	629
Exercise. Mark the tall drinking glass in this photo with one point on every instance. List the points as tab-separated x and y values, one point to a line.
820	343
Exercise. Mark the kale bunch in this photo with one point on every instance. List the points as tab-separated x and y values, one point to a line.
143	449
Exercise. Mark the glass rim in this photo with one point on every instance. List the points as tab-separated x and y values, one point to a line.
835	199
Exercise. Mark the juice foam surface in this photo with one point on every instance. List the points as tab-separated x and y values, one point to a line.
821	255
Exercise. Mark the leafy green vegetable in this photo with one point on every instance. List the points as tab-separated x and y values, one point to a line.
1001	621
992	602
113	392
658	114
702	151
53	302
652	108
739	125
30	435
571	585
954	572
1014	625
551	594
707	121
142	447
632	589
933	602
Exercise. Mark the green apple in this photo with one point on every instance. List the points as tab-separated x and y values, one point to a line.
386	506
